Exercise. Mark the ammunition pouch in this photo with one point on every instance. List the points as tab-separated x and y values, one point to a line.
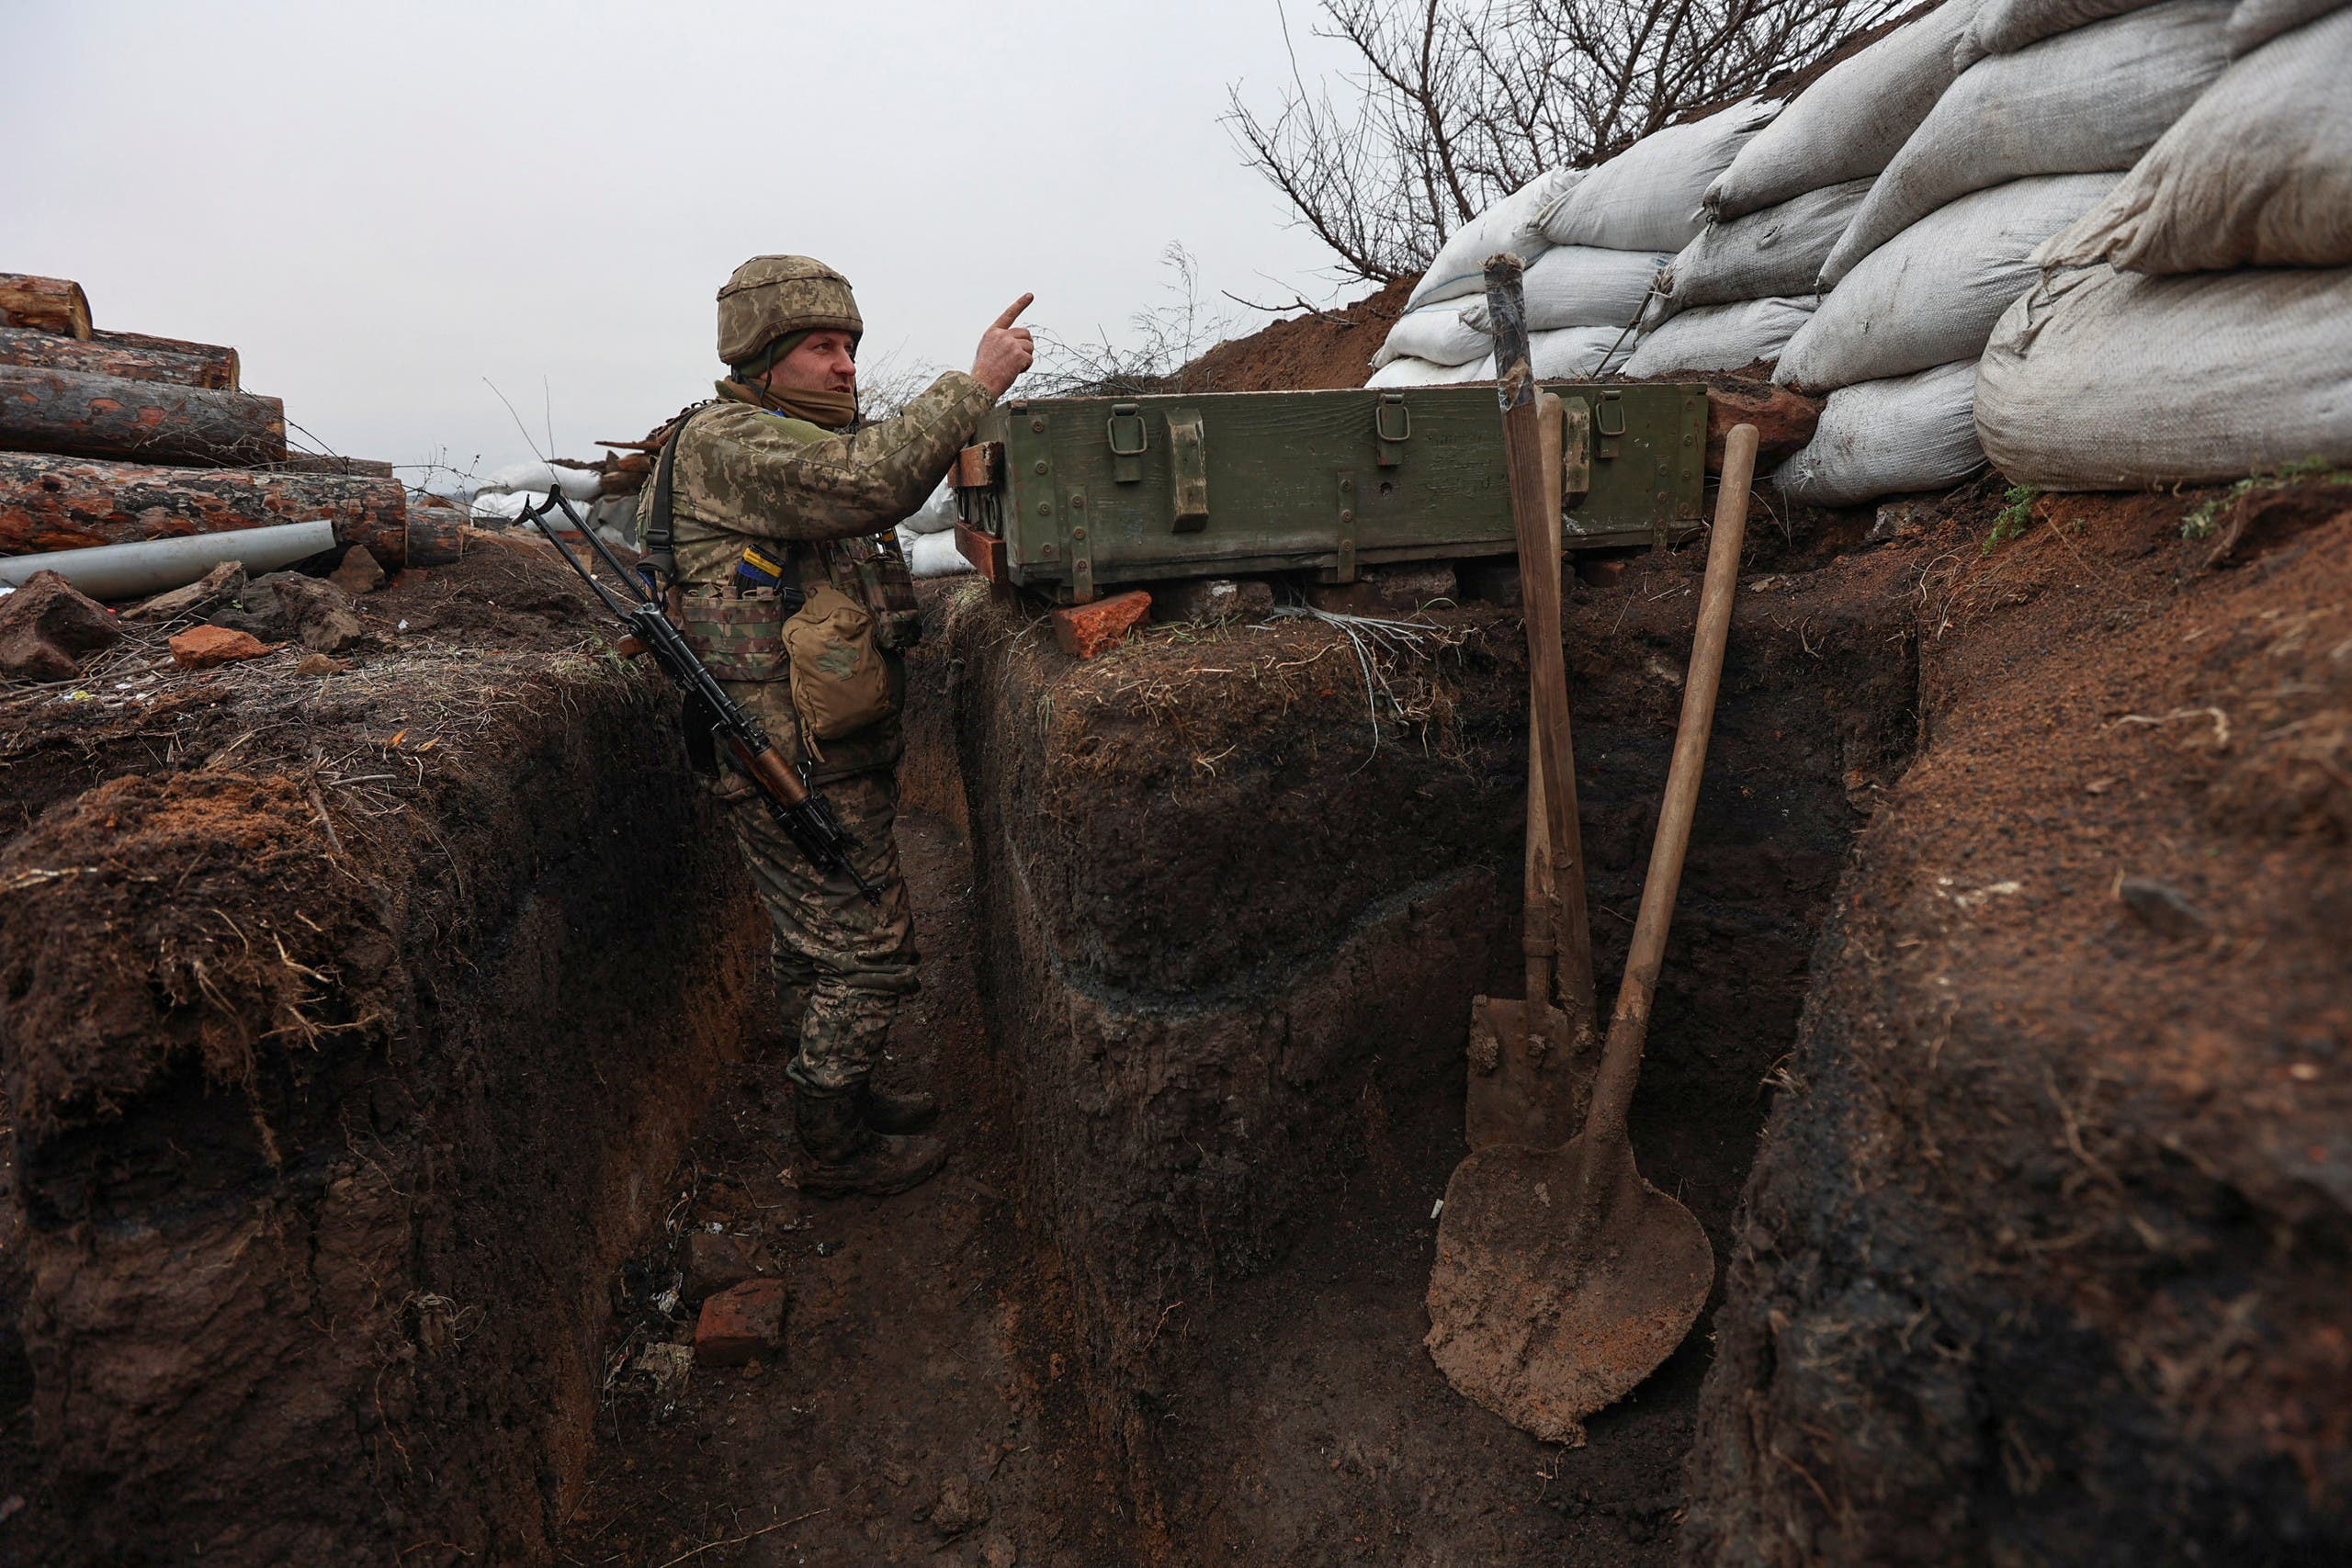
737	638
887	586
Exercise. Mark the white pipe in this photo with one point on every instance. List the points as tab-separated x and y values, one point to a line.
153	566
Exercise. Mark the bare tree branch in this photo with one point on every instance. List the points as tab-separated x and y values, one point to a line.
1453	104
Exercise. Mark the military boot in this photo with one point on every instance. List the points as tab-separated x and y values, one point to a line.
847	1157
888	1112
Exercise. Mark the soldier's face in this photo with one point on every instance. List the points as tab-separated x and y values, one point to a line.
825	362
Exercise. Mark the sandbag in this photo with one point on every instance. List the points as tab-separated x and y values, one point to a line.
1575	353
935	554
1647	197
2090	100
2004	27
1510	224
1931	294
539	479
1581	286
1720	337
1778	251
2258	173
2100	379
1411	372
1435	333
1847	123
1876	438
2256	22
937	515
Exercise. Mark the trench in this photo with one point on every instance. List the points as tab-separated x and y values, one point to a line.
1199	962
1199	955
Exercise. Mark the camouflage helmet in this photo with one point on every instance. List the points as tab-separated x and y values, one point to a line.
770	296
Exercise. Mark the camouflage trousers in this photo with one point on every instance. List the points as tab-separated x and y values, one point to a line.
844	963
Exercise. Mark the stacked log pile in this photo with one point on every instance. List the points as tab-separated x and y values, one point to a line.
112	437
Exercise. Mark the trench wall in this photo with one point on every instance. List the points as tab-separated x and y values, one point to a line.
335	1108
1220	925
2047	1247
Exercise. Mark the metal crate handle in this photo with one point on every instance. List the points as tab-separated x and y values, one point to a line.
1130	438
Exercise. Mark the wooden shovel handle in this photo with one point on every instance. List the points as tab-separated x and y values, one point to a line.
1539	556
1629	1027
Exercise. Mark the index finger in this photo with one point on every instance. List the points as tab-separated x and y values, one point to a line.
1013	311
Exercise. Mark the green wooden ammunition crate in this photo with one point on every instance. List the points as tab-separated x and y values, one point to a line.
1077	495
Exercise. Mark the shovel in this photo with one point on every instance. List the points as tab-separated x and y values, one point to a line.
1525	1056
1564	1279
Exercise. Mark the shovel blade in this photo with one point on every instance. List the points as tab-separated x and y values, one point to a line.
1540	1330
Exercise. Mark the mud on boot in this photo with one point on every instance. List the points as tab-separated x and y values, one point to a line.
887	1112
848	1158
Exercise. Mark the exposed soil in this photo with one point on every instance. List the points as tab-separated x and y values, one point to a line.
1320	348
314	989
2047	1250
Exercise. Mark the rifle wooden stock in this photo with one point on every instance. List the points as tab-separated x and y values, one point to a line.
770	768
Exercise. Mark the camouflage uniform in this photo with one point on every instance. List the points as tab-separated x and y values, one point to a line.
745	476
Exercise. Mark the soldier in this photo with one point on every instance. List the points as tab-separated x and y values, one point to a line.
773	507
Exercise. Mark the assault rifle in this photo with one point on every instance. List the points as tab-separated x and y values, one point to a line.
806	815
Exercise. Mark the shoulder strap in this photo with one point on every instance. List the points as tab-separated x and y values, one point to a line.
658	532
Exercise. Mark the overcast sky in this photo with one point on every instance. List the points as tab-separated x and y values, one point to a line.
384	205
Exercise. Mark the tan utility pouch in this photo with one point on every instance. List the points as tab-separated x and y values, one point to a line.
839	683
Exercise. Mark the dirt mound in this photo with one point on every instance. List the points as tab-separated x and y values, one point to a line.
2046	1252
1322	348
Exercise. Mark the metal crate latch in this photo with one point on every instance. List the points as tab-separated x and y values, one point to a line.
1392	421
1576	453
1609	420
1188	460
1129	439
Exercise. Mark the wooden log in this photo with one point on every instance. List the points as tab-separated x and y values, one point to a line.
48	304
82	415
104	354
436	535
222	367
328	463
66	504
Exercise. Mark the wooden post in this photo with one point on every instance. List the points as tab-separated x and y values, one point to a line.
49	304
64	503
82	415
1531	491
105	353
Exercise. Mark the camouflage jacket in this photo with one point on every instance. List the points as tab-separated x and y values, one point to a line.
744	475
747	477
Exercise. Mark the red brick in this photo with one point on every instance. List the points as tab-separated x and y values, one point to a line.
741	1324
1783	421
1085	630
200	648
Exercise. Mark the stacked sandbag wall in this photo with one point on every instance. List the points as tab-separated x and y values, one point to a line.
1595	241
2057	100
2197	324
1749	280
